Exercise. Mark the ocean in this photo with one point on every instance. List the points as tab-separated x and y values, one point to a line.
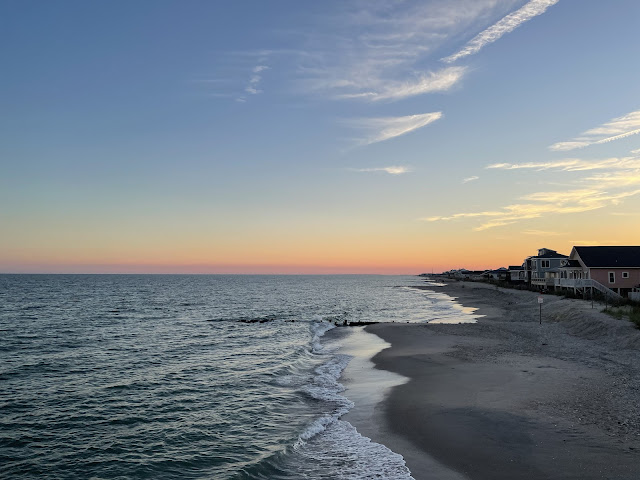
192	376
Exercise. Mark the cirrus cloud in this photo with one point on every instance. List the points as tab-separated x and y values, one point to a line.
385	128
504	26
392	170
608	182
616	129
383	50
542	204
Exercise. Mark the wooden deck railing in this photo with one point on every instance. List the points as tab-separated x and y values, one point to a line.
582	283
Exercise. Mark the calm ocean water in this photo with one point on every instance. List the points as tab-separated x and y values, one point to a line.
154	376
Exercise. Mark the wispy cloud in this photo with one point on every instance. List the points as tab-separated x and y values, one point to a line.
608	182
616	129
238	76
616	179
380	50
504	26
542	204
572	165
385	128
383	50
428	82
393	170
470	179
254	80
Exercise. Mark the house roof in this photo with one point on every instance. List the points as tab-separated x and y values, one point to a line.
515	267
571	264
551	255
612	257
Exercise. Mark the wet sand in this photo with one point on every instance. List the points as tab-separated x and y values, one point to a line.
508	398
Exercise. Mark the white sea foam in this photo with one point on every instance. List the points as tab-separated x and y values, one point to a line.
293	380
444	308
331	448
340	452
319	329
318	426
325	387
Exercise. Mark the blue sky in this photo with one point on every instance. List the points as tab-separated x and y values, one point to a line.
280	135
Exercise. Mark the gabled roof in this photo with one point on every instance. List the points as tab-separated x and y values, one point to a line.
515	267
612	257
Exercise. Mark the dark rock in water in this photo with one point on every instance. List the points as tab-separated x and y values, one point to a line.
354	324
265	319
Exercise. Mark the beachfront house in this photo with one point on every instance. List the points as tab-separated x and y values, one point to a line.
612	268
516	274
498	274
537	266
464	274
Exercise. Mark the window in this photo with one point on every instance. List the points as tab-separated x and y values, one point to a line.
546	263
612	277
625	274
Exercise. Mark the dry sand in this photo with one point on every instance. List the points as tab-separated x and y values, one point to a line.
508	398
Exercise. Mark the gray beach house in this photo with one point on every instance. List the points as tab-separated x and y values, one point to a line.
536	266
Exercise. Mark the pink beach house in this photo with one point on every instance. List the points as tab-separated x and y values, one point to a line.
615	267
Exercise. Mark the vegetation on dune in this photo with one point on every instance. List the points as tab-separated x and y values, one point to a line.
632	312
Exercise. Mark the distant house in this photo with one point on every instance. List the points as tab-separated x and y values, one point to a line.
498	274
464	274
516	274
475	275
537	267
459	273
615	267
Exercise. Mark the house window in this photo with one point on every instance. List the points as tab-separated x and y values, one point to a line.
625	274
546	263
612	277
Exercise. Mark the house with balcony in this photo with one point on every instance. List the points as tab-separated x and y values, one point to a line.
612	270
538	268
516	274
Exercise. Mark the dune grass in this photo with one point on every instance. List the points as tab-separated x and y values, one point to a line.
631	312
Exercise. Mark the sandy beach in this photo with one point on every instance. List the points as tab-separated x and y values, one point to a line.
509	398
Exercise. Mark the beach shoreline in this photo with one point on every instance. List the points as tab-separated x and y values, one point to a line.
508	397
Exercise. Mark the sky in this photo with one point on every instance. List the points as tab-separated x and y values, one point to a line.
286	136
